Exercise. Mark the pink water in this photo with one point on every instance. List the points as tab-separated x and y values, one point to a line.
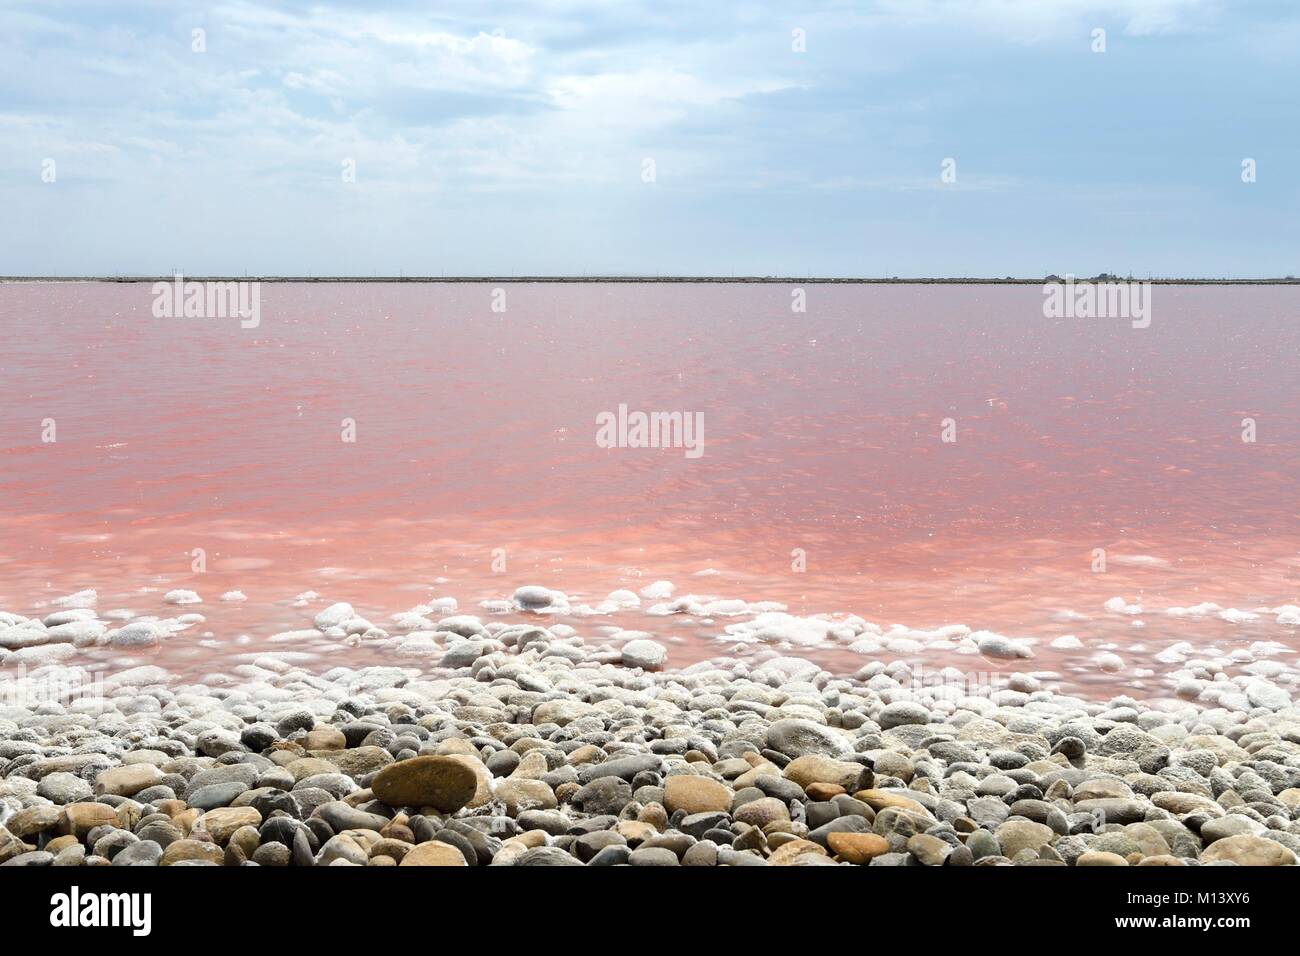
475	431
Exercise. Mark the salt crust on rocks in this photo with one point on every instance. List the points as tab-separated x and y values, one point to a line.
539	748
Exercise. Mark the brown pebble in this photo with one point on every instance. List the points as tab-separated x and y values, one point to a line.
823	791
585	754
565	791
655	815
397	831
857	847
792	849
80	818
171	807
190	850
393	849
128	815
247	839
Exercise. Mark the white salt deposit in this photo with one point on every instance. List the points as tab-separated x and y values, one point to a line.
1001	646
418	644
359	625
623	598
27	634
234	596
1234	616
411	621
534	597
1117	605
465	625
1175	653
658	591
947	636
42	654
750	634
648	655
903	645
67	617
1288	614
1110	663
1270	649
1196	610
334	615
182	596
292	637
86	598
788	668
778	627
866	645
136	634
696	605
137	677
1263	694
78	633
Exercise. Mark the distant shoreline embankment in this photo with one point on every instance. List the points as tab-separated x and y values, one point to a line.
683	280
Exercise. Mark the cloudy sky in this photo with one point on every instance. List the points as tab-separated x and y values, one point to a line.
504	138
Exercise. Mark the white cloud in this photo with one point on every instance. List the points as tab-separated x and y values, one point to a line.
1034	20
557	109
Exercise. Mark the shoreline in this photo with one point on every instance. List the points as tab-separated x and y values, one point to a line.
525	746
1206	655
682	280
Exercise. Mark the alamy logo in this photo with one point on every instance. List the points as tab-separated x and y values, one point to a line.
75	909
18	688
179	299
1099	299
626	429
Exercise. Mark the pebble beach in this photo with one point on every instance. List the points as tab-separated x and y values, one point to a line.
531	743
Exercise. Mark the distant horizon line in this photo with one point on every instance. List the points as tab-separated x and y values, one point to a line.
681	279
